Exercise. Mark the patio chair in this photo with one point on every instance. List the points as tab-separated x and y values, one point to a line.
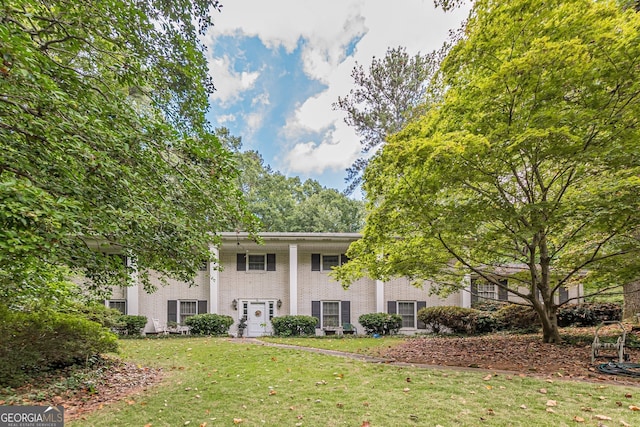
159	327
349	328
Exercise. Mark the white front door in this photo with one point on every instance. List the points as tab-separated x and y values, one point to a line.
257	319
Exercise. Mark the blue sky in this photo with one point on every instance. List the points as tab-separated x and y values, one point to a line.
279	65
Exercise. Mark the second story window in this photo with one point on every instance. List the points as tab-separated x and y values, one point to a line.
256	262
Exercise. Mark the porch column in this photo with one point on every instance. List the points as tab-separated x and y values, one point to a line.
293	279
133	301
466	291
214	280
380	296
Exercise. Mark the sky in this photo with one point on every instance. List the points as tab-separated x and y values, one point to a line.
279	65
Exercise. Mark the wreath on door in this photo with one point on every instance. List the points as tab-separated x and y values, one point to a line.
258	313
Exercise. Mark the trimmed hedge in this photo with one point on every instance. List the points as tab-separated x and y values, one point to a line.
458	320
588	314
131	324
518	317
35	342
380	323
290	326
209	324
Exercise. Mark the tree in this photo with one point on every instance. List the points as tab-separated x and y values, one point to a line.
528	169
104	146
384	100
286	204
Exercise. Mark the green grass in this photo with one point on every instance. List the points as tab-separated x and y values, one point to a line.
360	345
214	381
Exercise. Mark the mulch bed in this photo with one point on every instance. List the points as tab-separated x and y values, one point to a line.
523	354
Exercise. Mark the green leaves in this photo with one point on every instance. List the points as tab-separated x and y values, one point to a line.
530	159
103	137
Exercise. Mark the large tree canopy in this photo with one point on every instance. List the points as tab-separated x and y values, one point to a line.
529	163
103	140
287	204
385	98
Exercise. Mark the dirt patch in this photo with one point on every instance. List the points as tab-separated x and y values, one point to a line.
84	391
524	354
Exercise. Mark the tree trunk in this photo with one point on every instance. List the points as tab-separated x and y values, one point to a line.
549	320
631	301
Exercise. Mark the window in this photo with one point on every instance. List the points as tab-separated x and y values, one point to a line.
187	309
486	291
407	310
120	305
482	290
330	261
256	262
330	314
321	262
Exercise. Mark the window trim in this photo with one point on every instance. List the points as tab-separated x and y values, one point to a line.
179	314
242	262
322	322
414	314
342	259
118	301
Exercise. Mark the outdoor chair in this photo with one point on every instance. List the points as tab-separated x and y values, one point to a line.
349	328
159	327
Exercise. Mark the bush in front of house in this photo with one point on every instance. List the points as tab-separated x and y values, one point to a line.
518	317
380	323
290	326
458	320
130	324
209	324
36	342
588	314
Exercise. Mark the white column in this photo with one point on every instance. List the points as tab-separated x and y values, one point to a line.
380	296
466	291
214	280
293	279
133	304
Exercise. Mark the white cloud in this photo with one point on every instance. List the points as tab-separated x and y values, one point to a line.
324	31
229	83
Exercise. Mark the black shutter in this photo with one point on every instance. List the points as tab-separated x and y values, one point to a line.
202	306
271	262
344	259
564	294
241	264
345	308
503	294
391	307
172	311
315	262
315	311
420	305
474	291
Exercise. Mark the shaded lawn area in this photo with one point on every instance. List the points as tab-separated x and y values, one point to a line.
219	381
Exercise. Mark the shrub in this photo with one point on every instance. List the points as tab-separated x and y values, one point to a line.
481	322
457	319
99	313
380	323
588	314
34	342
289	326
486	305
518	317
209	324
132	325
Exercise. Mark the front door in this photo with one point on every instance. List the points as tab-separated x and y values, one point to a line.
257	319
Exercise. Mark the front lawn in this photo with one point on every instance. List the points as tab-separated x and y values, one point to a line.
226	382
